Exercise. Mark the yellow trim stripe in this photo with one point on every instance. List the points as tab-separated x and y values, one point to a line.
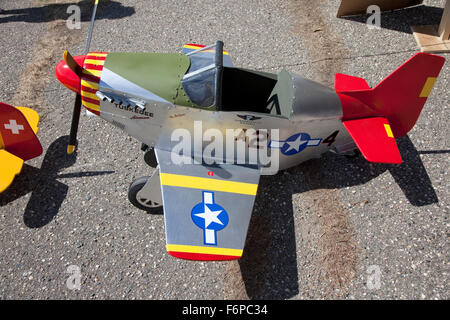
387	127
427	87
94	62
89	84
91	106
97	54
91	72
198	47
176	180
89	95
204	250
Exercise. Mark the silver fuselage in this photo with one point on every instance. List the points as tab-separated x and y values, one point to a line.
316	112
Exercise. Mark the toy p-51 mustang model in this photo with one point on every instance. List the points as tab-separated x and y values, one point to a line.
18	141
207	205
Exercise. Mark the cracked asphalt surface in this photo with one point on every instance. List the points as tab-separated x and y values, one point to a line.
317	230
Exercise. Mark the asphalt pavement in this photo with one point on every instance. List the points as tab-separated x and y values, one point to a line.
333	227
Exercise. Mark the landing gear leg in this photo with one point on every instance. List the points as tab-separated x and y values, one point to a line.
149	156
145	193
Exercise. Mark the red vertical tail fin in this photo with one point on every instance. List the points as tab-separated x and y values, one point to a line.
399	98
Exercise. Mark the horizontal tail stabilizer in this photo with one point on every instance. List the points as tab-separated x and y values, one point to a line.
344	82
375	139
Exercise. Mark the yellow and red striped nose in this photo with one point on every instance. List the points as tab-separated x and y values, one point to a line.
82	75
90	80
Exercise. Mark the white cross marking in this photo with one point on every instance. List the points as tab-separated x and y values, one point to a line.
14	127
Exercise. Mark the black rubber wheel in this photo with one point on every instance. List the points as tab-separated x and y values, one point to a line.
150	158
140	203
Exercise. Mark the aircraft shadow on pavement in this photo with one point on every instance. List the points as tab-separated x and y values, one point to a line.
47	193
401	20
434	151
269	264
107	9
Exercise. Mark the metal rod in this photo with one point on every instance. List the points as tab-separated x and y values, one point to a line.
91	28
219	74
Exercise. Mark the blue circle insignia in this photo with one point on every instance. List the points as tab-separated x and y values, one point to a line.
295	144
209	216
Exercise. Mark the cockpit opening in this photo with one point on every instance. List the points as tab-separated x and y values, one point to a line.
213	83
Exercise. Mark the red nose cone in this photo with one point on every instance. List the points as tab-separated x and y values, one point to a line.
67	77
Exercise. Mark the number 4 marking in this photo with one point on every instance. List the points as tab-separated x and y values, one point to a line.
331	138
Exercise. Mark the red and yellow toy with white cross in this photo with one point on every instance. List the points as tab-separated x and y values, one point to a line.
18	141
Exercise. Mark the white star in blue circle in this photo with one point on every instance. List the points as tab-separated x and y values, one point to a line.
295	144
210	217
